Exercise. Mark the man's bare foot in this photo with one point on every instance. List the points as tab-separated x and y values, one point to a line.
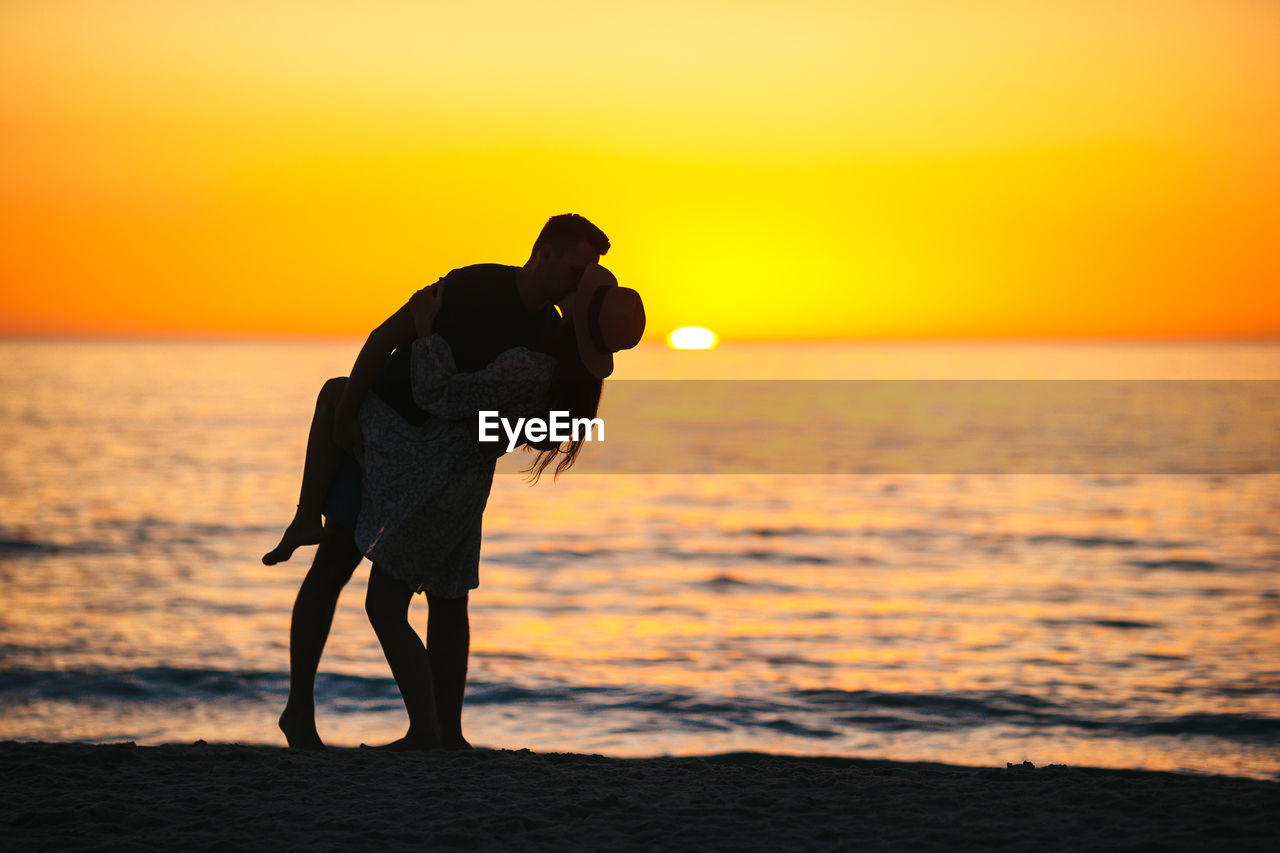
456	743
299	532
409	743
300	733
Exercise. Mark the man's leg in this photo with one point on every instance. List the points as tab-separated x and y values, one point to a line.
387	604
448	646
335	560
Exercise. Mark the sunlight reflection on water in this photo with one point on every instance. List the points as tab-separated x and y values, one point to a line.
1121	620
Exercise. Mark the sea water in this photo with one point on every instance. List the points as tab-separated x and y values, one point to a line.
1123	620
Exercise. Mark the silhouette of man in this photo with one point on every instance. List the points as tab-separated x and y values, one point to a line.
485	310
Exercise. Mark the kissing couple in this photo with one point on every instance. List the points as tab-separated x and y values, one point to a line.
395	471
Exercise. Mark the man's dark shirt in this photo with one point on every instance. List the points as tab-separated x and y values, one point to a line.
481	316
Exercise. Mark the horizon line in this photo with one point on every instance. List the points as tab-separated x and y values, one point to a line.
318	338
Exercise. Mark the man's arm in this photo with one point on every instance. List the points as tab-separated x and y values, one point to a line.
414	320
396	331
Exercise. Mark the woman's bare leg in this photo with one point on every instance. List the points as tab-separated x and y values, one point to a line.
318	469
448	645
387	603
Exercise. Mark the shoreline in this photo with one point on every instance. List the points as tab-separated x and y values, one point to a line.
69	795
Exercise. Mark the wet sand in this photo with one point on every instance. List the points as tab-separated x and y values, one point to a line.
228	797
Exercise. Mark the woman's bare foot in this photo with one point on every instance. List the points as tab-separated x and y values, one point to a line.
300	732
456	743
301	531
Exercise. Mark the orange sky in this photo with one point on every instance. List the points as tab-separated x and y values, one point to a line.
915	168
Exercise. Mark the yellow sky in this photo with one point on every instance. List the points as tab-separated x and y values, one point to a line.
808	169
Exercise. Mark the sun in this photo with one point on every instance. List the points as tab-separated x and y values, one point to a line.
692	337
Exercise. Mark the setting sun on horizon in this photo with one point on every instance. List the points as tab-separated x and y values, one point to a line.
692	337
917	169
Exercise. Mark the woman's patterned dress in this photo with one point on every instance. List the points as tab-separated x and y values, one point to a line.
425	487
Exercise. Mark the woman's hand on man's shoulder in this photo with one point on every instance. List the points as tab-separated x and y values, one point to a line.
424	306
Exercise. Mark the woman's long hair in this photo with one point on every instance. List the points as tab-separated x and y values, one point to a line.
575	390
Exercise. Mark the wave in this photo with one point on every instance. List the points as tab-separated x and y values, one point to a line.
754	556
1100	541
1178	565
553	558
967	710
794	531
811	714
19	548
1118	624
128	536
1081	541
725	583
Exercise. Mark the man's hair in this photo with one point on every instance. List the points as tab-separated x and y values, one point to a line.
563	233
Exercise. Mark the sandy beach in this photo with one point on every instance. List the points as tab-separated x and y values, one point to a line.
216	796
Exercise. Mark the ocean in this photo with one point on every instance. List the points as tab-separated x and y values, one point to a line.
1118	618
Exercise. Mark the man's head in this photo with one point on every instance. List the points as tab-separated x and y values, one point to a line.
566	246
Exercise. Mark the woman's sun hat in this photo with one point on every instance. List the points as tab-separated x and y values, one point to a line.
607	318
